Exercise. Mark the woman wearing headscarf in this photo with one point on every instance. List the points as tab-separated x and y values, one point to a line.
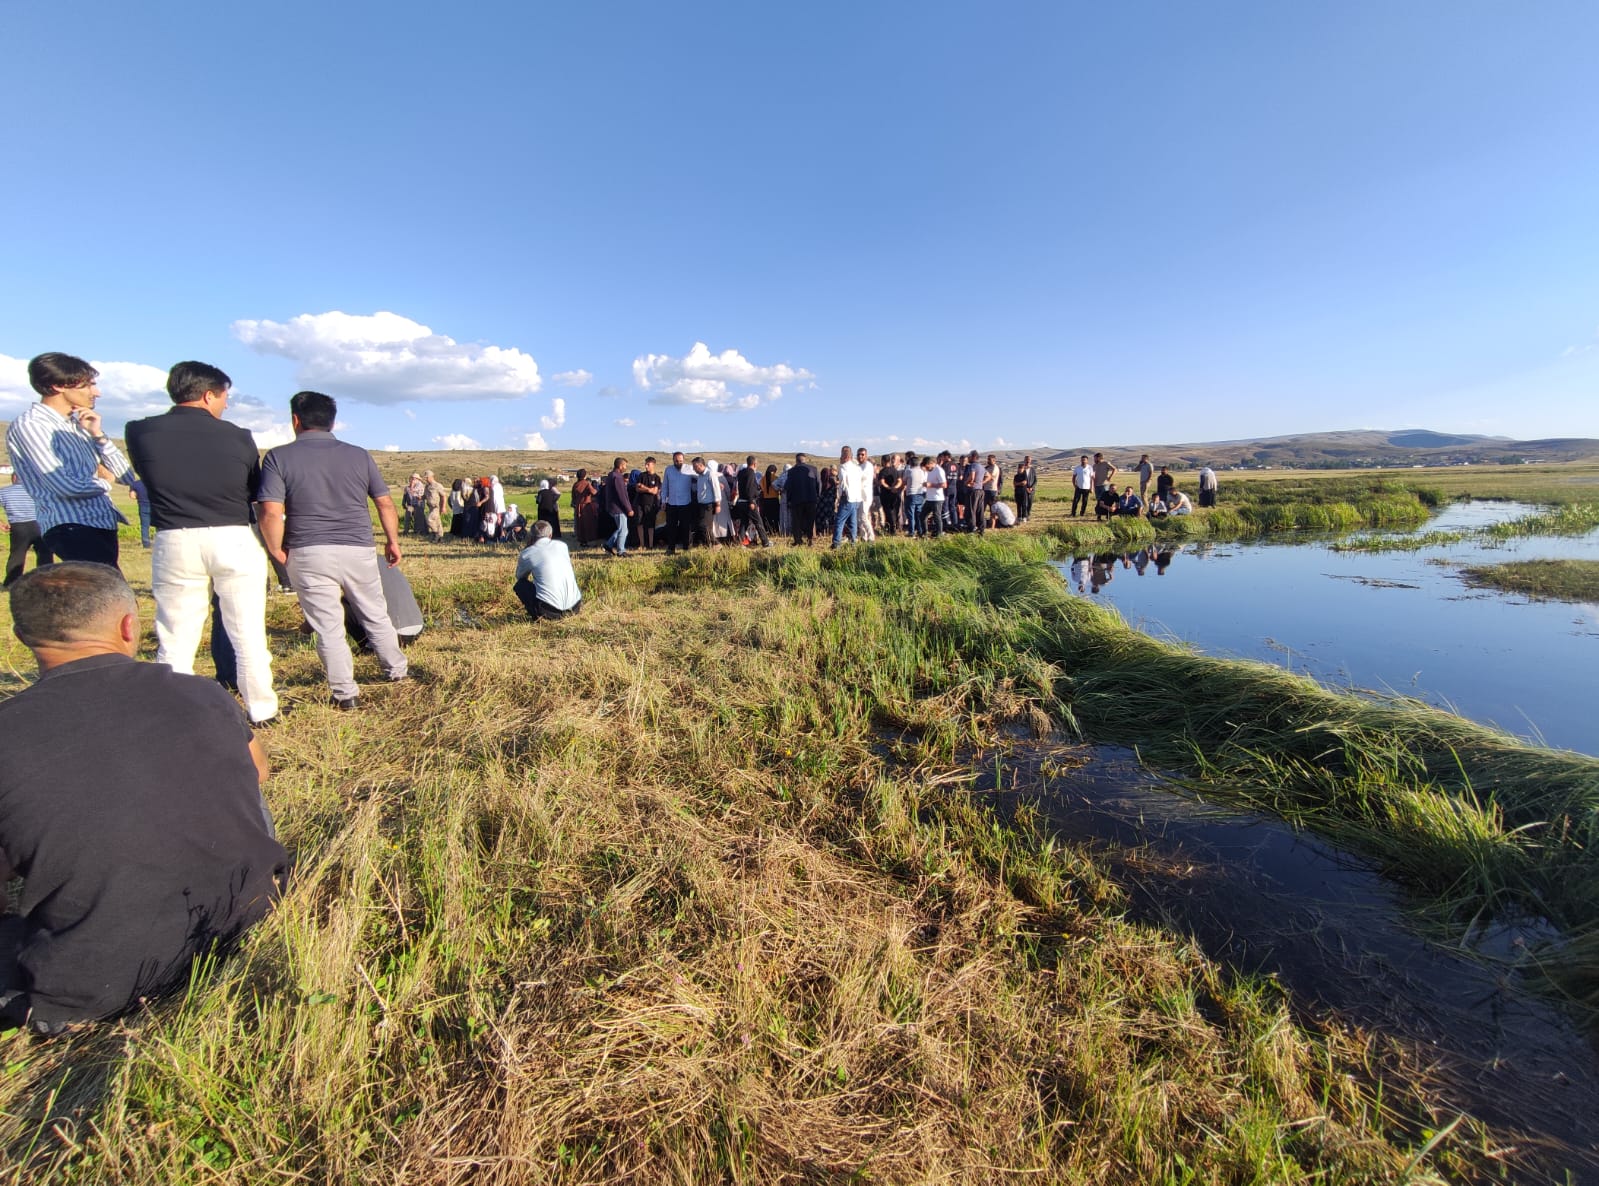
771	500
549	501
722	528
585	512
478	504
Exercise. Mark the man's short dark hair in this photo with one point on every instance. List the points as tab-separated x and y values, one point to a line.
63	602
647	460
698	461
801	458
187	382
618	463
315	410
49	371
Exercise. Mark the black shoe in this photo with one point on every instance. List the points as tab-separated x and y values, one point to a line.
349	705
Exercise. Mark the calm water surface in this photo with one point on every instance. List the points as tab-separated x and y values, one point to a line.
1398	622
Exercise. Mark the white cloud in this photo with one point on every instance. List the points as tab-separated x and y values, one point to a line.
556	418
456	440
675	446
608	392
577	378
624	422
535	442
409	414
391	448
1002	443
724	382
385	358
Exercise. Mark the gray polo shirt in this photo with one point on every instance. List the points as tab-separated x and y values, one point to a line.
323	485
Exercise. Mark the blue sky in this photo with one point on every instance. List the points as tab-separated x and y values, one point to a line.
628	225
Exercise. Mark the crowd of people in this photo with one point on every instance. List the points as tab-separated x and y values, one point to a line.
153	846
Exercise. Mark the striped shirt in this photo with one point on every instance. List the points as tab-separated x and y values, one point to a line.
56	460
18	504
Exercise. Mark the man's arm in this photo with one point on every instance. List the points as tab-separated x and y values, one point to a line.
35	444
270	518
263	768
391	528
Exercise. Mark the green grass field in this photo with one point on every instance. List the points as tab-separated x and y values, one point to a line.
642	896
1542	580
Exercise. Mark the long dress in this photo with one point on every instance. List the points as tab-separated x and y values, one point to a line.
722	524
585	512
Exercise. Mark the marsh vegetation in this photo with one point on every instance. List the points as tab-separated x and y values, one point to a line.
644	895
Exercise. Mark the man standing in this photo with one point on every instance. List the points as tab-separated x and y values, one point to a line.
863	520
22	525
64	458
802	487
545	583
613	496
1082	486
706	487
747	504
1146	471
130	804
201	474
434	496
314	492
1207	486
677	494
915	493
972	478
851	494
891	489
935	485
1165	484
1104	471
1023	482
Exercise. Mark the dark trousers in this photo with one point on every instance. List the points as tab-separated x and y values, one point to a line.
1080	501
802	521
1207	498
1024	502
701	516
539	611
74	541
25	535
933	518
891	512
974	511
745	515
677	527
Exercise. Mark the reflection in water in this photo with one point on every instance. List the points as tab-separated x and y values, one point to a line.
1393	622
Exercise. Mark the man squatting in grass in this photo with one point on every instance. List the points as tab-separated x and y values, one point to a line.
130	805
202	474
313	495
545	583
67	462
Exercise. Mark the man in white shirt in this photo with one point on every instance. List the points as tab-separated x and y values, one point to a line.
868	489
936	481
1082	486
915	493
545	583
851	496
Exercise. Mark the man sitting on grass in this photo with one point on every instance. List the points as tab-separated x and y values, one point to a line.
545	583
1130	504
130	805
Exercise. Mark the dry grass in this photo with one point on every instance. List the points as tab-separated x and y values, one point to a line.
639	896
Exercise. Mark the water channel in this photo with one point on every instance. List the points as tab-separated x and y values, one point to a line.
1391	622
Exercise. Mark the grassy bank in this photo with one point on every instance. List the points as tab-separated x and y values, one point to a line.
1543	580
638	896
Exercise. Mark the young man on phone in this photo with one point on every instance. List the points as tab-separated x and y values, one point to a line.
67	462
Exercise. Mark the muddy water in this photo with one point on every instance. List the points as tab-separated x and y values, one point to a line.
1269	901
1398	622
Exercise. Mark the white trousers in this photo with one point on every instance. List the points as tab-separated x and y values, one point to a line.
186	563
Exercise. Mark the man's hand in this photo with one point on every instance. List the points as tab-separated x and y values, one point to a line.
281	556
89	421
391	552
5	529
105	475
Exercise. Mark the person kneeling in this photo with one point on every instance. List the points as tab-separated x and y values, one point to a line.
545	583
130	805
